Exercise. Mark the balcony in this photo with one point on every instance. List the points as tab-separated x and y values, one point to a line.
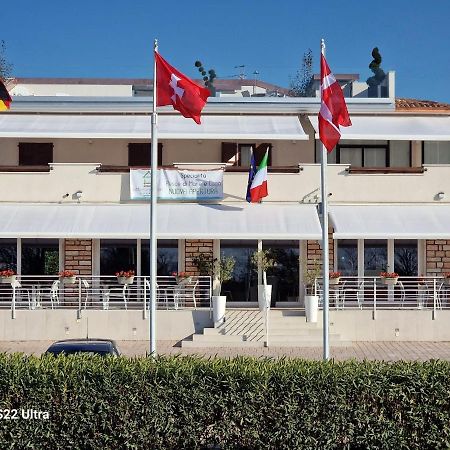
286	184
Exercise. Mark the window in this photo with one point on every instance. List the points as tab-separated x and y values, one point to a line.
284	277
167	257
243	285
363	155
40	256
347	257
400	153
139	154
405	258
8	254
375	257
239	154
435	152
116	255
35	153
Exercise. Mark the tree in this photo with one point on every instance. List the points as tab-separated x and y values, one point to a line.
301	84
375	66
5	66
208	80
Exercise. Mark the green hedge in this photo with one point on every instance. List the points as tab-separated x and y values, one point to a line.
189	403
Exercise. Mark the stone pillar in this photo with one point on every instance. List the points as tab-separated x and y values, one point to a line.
193	247
78	256
437	257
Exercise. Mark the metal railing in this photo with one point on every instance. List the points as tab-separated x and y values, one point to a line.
103	292
378	293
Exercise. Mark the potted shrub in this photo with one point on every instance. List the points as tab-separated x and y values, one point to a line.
68	277
221	270
447	278
311	298
125	276
7	276
389	278
264	260
335	277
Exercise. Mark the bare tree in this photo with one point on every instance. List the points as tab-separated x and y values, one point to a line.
5	66
301	84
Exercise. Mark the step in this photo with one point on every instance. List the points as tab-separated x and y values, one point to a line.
216	344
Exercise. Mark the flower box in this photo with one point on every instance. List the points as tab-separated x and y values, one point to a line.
334	281
8	280
125	280
69	280
389	281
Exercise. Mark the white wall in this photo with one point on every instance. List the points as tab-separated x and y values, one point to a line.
77	90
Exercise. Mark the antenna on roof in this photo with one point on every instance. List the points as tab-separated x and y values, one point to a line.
241	75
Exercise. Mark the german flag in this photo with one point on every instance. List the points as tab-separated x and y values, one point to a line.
5	99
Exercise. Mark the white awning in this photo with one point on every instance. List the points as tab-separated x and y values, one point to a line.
401	128
391	221
175	221
138	127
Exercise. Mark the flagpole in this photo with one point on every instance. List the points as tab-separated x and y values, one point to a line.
325	250
153	203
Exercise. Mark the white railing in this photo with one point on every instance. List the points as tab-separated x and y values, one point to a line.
104	292
373	293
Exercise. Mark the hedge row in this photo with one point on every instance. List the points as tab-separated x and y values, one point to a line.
190	403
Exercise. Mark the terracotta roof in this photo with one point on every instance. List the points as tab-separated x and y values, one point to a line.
411	104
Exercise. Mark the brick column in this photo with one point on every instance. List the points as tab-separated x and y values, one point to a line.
78	256
314	251
437	257
194	247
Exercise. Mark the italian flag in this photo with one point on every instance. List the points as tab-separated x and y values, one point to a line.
258	189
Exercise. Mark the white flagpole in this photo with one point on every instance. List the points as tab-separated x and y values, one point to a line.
153	203
325	252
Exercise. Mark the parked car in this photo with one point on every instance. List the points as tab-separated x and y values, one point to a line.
101	347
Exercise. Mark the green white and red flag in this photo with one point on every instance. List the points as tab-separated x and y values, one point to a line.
258	189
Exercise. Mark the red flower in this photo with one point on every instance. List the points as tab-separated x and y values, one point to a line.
125	273
7	273
335	274
67	274
389	275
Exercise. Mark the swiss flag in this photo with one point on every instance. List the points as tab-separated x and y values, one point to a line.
333	110
174	88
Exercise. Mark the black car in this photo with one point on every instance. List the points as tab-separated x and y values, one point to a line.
101	347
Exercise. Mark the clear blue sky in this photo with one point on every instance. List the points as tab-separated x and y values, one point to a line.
113	38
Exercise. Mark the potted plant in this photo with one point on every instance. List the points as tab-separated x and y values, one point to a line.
447	277
221	270
311	274
389	278
264	260
68	277
335	277
125	276
7	276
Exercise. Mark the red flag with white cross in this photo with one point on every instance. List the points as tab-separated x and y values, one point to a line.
333	110
174	88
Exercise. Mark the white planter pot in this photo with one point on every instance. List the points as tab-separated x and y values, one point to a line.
219	303
125	280
8	280
334	281
311	308
69	280
389	281
264	296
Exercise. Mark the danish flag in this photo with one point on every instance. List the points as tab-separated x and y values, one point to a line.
333	110
174	88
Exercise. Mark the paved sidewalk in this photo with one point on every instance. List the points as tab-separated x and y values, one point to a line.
386	351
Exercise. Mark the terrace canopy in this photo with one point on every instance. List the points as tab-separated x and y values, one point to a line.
122	126
394	128
390	221
175	221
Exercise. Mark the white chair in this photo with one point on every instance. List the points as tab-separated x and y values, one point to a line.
86	288
52	294
109	293
185	290
18	291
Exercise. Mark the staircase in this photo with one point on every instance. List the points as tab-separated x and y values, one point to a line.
246	328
